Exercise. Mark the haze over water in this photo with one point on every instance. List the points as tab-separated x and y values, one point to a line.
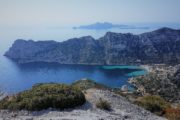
54	19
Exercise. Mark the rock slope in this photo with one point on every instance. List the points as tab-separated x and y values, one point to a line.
121	110
176	77
161	80
159	46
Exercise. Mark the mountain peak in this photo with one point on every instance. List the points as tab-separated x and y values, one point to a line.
165	29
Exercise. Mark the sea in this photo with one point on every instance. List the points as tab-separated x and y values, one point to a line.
16	77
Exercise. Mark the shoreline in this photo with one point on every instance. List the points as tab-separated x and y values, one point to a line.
159	75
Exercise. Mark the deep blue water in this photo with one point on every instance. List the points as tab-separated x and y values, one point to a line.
21	77
15	78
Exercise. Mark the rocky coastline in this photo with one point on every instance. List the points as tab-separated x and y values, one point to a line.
161	46
160	80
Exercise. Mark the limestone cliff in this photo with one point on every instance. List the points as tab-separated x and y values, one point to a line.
159	46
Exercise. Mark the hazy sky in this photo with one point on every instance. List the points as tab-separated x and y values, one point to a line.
52	13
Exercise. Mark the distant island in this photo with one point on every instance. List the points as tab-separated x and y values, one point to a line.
107	25
159	46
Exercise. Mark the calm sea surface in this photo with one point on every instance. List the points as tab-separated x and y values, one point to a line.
15	78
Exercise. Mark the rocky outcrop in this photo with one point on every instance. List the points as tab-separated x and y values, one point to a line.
159	46
161	80
176	77
121	110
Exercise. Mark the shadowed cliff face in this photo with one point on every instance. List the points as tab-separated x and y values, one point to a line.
160	46
176	77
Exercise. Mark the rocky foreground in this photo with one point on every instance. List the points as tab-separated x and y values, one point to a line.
121	109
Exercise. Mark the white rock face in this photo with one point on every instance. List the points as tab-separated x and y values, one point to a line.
124	88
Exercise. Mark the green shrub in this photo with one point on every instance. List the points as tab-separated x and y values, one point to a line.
103	104
153	103
87	84
45	96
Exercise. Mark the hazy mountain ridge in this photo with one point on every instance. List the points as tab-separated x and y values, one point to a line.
159	46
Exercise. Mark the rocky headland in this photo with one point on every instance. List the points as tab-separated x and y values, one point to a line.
159	46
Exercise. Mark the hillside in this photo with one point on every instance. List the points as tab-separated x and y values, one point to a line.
159	46
121	109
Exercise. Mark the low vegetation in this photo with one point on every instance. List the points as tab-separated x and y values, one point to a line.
153	103
161	85
103	104
87	84
43	96
172	113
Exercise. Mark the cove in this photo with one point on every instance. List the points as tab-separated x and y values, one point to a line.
19	77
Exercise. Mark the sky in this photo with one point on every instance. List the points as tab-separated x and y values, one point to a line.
52	13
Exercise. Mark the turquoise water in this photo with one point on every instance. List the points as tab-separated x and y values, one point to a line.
137	73
132	71
121	67
138	70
